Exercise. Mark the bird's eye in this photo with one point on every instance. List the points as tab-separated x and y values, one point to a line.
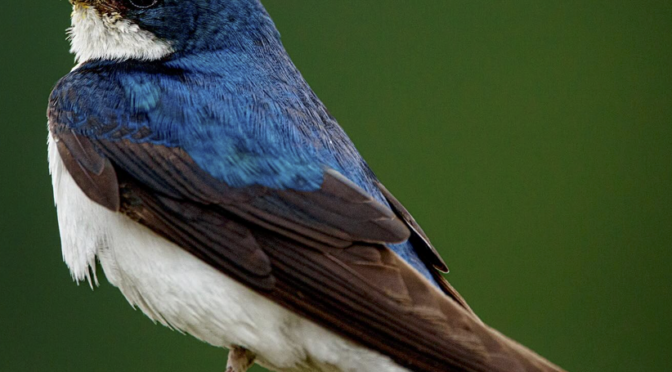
142	4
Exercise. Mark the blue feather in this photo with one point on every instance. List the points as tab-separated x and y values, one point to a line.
232	99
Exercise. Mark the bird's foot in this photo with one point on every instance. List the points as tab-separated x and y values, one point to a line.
240	359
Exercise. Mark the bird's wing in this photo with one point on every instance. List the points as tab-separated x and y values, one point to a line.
320	253
112	172
425	249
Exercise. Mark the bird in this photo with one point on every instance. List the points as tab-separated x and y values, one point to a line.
191	159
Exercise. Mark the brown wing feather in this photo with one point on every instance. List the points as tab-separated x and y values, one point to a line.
356	287
425	249
94	174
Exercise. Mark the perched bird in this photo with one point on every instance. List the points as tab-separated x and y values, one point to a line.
189	156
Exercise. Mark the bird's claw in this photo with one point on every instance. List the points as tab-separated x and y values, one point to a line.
240	359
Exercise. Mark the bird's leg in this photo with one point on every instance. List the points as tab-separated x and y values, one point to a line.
240	359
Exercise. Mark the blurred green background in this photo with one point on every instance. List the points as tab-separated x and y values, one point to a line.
531	139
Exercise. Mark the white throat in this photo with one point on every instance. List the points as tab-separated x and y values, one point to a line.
109	37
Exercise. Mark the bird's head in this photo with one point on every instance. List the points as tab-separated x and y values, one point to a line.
155	29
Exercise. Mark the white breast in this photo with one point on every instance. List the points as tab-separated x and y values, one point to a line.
178	290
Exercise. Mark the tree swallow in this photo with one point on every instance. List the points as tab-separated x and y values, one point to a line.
189	156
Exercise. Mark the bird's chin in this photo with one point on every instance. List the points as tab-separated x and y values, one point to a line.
99	33
81	2
101	5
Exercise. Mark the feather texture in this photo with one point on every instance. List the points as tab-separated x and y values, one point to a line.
215	143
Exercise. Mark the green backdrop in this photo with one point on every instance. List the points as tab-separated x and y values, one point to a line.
531	139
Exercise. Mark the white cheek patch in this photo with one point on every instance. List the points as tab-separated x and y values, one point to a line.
109	37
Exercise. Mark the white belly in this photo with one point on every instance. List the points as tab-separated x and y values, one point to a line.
178	290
